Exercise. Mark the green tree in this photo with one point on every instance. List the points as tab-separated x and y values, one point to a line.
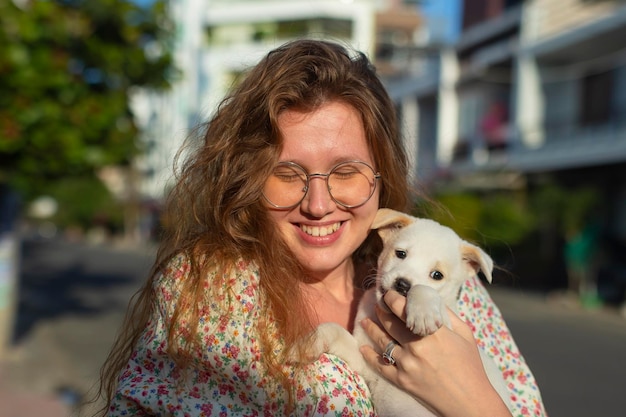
66	70
492	220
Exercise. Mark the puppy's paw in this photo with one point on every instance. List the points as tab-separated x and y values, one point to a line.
425	310
425	323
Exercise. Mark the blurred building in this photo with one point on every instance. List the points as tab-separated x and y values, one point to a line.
520	90
530	90
542	83
216	40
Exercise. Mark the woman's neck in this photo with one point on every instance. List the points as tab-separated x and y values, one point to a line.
333	297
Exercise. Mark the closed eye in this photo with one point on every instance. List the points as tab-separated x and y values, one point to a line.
400	253
436	275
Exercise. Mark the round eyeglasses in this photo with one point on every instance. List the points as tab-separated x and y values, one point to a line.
350	184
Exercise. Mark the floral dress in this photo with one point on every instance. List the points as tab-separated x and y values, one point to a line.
477	308
230	379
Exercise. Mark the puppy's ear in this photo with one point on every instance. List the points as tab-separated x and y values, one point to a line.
477	260
388	221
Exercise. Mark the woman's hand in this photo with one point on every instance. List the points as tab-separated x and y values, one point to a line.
443	370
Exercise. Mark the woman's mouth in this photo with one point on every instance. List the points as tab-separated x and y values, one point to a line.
320	230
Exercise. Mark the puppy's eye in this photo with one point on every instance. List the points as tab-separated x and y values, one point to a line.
400	254
436	275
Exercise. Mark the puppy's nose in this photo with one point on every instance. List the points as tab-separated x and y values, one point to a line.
402	285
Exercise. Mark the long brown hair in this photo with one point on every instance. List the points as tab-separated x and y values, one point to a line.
214	214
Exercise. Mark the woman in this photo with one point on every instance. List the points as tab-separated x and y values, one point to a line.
268	235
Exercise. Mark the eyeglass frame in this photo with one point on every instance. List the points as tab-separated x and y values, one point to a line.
377	176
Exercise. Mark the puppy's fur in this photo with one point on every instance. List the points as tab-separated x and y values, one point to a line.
428	263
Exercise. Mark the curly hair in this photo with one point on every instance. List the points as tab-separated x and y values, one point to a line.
215	214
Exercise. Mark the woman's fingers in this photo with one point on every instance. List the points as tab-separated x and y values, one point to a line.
443	369
381	339
397	303
395	326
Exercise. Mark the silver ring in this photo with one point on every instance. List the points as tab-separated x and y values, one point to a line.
388	353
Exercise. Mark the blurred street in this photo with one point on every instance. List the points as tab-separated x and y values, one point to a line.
73	298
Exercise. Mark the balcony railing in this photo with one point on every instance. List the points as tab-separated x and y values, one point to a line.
563	147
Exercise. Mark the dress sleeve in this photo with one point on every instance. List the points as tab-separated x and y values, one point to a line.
228	378
477	308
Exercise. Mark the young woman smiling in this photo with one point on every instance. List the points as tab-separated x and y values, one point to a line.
268	235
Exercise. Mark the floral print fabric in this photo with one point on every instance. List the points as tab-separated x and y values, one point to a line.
229	379
477	308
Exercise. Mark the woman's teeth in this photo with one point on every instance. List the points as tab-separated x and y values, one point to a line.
320	231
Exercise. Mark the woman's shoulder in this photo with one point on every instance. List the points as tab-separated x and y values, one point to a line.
231	288
239	273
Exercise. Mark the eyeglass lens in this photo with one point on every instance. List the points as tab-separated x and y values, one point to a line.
350	184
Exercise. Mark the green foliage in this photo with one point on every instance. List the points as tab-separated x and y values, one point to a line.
506	219
493	220
83	202
66	70
567	210
461	212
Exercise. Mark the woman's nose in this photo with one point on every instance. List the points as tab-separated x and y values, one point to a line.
318	201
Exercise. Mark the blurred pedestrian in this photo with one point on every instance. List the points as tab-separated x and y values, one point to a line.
494	126
580	250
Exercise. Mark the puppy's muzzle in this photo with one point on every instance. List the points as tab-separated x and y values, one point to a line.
402	285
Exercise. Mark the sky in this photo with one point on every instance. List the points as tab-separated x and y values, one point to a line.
443	17
142	2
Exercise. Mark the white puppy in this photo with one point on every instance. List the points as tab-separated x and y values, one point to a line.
428	263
